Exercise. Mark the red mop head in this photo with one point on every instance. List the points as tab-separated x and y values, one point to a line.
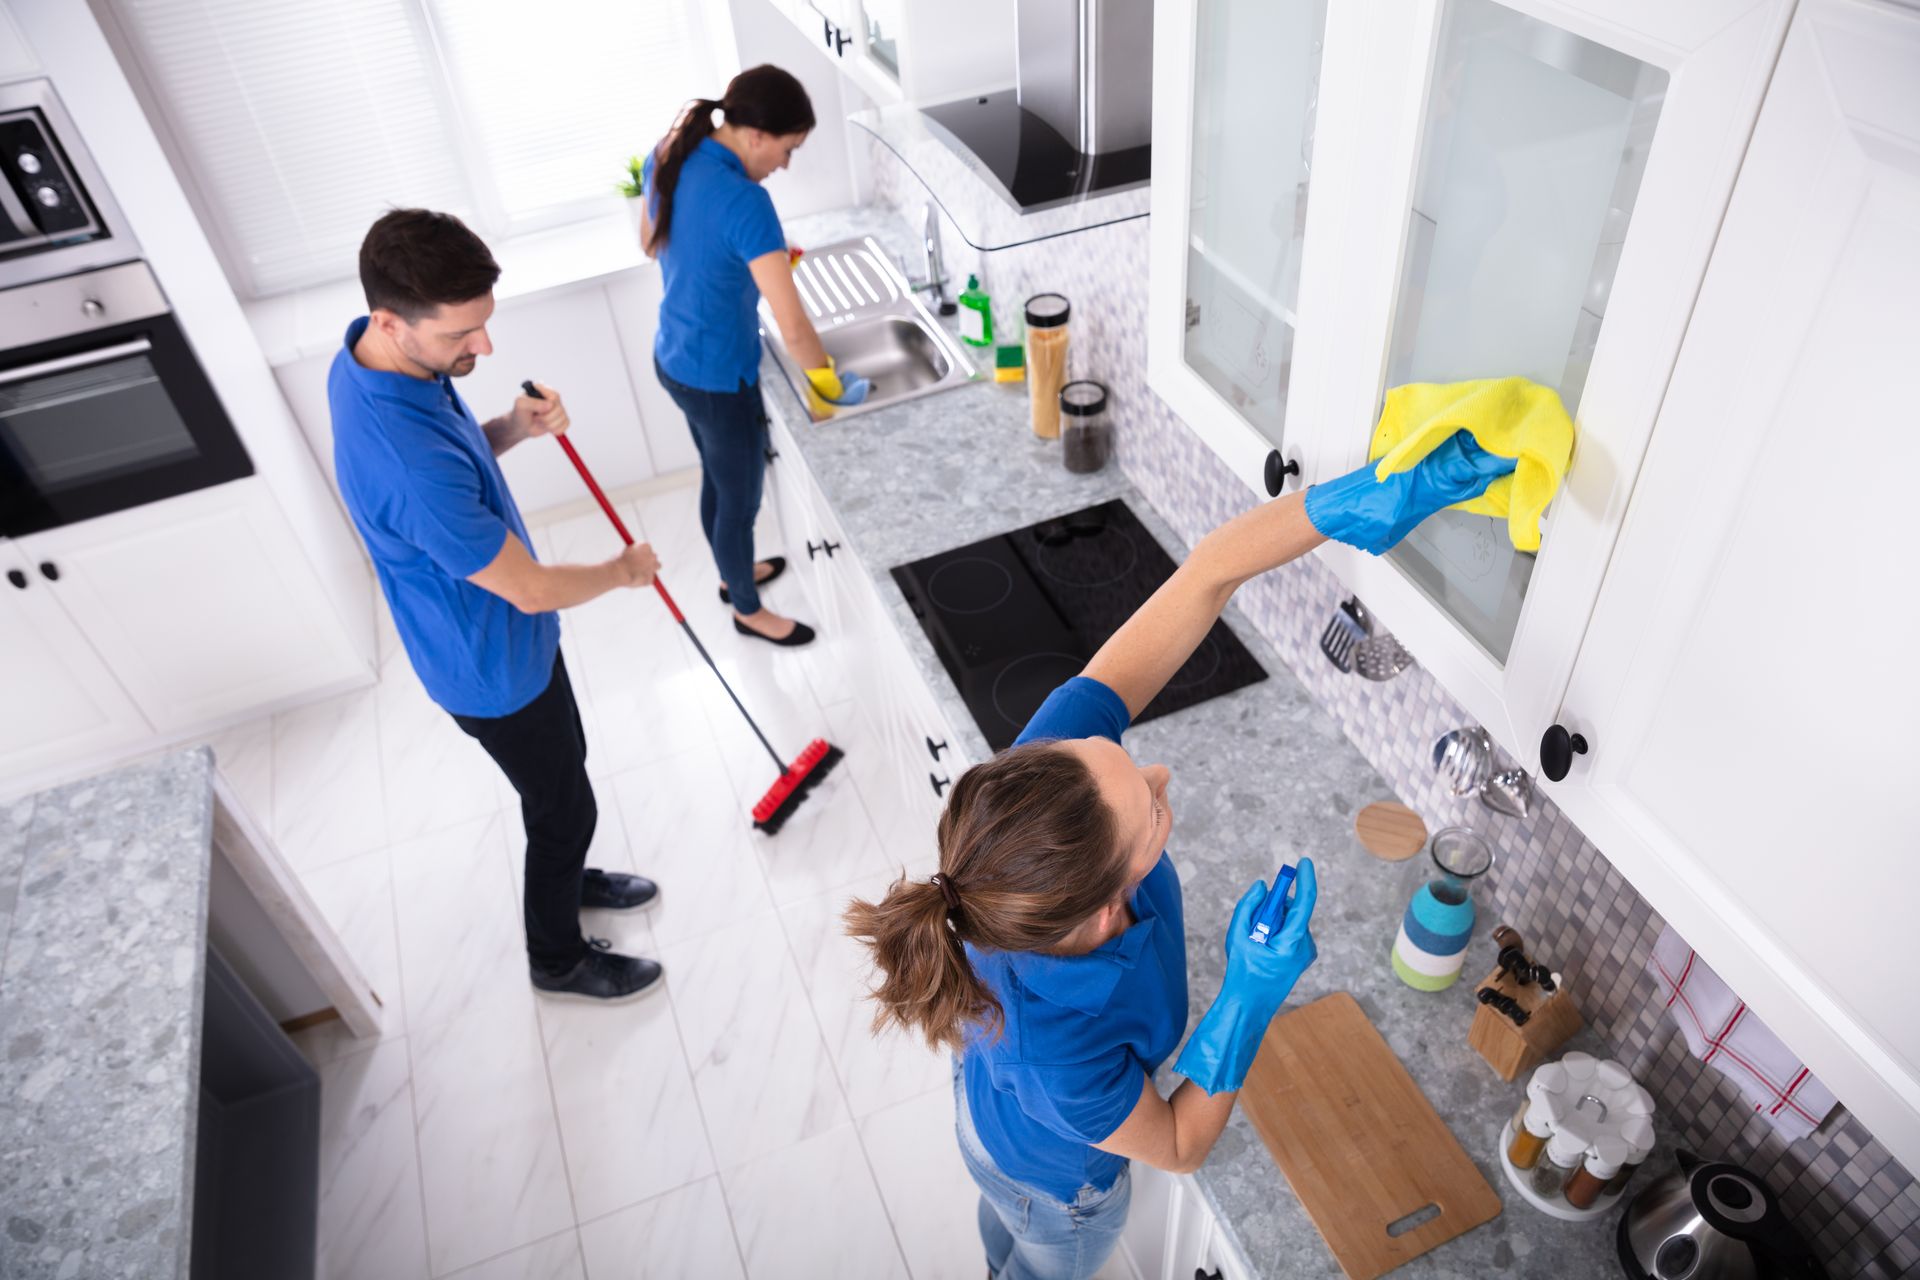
791	787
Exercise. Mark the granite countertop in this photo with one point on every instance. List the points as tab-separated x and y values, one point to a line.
1260	776
103	902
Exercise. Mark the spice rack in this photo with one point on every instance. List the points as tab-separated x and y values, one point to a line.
1572	1146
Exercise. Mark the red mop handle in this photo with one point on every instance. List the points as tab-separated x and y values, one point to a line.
600	496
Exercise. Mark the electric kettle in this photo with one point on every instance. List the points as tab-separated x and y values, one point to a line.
1711	1222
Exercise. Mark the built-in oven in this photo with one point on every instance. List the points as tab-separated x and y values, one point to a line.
103	405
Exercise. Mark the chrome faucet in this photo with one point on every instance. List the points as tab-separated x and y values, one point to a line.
933	271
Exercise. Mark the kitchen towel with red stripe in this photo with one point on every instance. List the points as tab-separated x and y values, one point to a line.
1721	1030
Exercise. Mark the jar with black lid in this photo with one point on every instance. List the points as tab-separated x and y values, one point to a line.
1086	432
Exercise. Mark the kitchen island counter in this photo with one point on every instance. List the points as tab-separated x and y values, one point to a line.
1261	776
103	910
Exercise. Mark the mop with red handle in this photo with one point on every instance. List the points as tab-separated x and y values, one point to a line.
812	764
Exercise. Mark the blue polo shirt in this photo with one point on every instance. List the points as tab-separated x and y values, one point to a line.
709	337
1081	1031
424	489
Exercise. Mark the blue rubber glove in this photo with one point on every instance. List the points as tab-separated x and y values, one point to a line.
1374	514
1222	1047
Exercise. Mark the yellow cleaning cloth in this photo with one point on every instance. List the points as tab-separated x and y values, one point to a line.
1512	417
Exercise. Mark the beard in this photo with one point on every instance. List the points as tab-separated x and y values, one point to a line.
461	367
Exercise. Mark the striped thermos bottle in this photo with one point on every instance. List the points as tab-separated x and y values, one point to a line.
1438	924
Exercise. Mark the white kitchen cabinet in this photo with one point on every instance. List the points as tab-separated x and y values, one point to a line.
1749	733
1491	185
1196	1242
860	657
57	698
1236	84
202	606
918	51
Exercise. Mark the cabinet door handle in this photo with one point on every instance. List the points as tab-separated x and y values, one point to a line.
935	748
1557	750
824	548
940	784
772	453
840	42
1278	469
814	549
17	578
50	571
826	30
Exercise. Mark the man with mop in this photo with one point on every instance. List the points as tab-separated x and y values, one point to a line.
474	609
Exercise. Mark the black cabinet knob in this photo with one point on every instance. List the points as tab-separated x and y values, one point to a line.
1557	750
1278	469
935	748
814	549
772	453
826	30
50	571
840	42
940	784
17	578
829	547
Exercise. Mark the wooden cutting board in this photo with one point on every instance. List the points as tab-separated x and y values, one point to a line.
1358	1140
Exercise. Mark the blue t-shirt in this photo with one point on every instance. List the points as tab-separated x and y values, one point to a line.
423	488
722	220
1080	1031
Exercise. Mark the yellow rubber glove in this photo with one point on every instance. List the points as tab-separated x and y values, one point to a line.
823	387
825	382
828	391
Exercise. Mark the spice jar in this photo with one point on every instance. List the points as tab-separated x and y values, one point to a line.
1565	1150
1532	1125
1086	434
1604	1161
1638	1133
1046	316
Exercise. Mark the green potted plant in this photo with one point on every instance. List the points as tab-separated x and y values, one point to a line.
634	188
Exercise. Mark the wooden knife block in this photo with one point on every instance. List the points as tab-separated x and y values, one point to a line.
1510	1050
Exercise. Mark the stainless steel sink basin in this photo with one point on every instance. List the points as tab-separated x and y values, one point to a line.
871	323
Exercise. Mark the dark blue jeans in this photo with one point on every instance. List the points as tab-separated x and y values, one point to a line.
730	433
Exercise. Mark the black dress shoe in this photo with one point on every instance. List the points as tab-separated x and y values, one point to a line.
801	634
779	564
616	891
603	976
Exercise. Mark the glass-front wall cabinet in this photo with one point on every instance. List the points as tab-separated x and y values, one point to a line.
1256	69
1533	144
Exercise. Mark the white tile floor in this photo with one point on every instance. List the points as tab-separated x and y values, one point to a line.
743	1122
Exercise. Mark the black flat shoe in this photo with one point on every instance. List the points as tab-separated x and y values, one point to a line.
801	634
616	891
779	564
603	976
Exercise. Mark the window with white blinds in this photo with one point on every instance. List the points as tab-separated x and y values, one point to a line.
301	121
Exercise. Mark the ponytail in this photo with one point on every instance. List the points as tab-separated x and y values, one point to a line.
1028	851
927	984
763	97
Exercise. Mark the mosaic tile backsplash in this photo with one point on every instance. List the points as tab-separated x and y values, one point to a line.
1858	1206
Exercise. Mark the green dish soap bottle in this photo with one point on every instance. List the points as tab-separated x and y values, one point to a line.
976	315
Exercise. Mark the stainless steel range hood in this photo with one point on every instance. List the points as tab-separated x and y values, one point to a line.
1080	121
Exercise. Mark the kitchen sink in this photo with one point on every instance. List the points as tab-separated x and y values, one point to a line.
872	324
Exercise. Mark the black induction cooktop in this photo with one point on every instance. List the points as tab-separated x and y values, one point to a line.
1015	615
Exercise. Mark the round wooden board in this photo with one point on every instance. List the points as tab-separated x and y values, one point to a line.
1390	831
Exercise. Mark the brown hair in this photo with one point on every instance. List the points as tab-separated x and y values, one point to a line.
413	260
1028	851
763	97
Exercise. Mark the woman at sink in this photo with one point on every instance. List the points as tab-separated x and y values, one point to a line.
1049	952
720	246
